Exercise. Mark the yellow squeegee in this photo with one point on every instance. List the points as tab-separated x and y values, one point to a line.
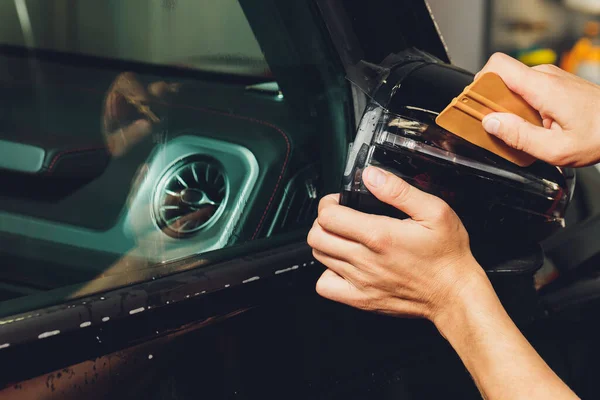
487	94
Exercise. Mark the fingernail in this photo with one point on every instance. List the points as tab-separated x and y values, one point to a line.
375	177
491	125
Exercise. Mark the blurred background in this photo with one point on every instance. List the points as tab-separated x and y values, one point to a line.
561	32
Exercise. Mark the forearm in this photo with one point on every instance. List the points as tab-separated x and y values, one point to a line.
501	361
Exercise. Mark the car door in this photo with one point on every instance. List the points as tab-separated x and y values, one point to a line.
161	163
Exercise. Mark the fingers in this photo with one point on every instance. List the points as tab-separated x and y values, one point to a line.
340	267
531	84
513	72
331	244
161	90
329	200
550	69
129	86
333	287
548	123
368	230
549	145
121	140
394	191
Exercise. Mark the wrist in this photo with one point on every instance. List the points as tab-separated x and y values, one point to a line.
463	302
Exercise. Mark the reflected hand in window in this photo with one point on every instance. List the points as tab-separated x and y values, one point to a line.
130	110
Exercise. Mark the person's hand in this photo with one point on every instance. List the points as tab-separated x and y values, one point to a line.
129	110
414	267
569	106
422	267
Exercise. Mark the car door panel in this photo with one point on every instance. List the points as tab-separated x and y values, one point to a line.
89	325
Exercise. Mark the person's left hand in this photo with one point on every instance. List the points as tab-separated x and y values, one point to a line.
128	115
416	267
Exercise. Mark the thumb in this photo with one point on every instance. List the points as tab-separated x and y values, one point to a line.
390	189
522	135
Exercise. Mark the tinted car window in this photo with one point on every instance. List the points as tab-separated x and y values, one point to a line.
141	133
201	34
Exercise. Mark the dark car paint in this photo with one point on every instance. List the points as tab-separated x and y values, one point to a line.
143	311
127	372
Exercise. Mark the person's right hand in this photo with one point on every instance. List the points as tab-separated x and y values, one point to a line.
569	106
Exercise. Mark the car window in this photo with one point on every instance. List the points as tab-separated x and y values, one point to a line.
204	35
136	134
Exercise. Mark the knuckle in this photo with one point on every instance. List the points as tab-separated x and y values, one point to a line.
326	216
328	201
559	155
376	295
442	212
379	241
312	239
497	58
361	282
398	190
516	140
322	205
333	198
520	138
569	149
498	62
323	289
372	299
465	238
552	80
553	155
555	68
462	236
545	68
